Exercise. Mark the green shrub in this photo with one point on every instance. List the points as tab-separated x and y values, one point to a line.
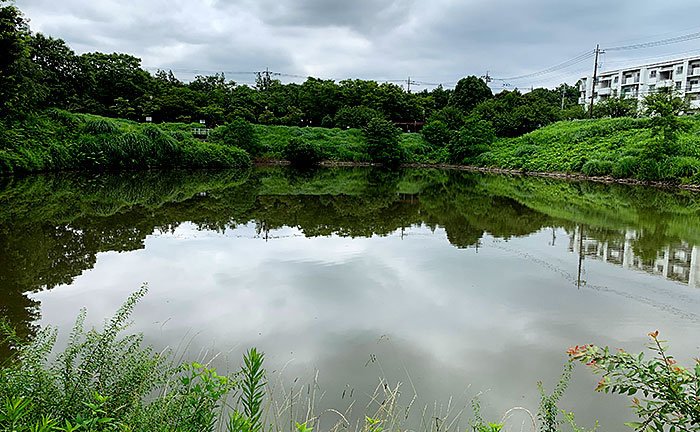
382	142
625	167
665	395
437	133
302	153
474	138
595	167
106	381
239	133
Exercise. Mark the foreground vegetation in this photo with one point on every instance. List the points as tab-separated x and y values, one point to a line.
106	381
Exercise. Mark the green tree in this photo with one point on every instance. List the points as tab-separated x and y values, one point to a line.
14	61
664	108
239	133
382	140
451	116
436	133
474	138
617	106
355	117
469	92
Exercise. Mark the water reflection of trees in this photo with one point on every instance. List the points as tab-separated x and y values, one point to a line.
53	226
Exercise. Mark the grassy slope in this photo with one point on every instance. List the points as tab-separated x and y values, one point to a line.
567	146
59	140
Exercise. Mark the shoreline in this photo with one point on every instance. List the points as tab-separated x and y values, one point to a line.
555	175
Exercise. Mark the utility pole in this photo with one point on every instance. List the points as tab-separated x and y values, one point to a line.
487	78
408	84
595	76
563	92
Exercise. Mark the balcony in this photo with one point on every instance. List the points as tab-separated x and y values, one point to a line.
605	91
665	83
695	71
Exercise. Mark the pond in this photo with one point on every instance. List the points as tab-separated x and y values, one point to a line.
450	283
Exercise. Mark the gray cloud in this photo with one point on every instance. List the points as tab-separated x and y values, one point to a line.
437	42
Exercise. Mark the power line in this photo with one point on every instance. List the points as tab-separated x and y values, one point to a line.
669	41
568	63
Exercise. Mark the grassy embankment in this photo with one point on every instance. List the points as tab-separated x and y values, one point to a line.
601	147
57	140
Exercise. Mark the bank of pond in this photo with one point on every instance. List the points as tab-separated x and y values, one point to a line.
629	148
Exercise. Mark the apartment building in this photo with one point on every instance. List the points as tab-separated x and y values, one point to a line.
682	74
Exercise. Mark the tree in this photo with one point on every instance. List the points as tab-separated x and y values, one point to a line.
664	108
469	92
474	138
14	64
382	140
239	133
56	67
450	116
617	106
436	133
355	117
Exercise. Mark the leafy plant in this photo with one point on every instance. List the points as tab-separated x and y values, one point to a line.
252	384
665	395
382	141
549	412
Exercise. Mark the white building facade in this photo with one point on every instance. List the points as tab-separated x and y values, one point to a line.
683	75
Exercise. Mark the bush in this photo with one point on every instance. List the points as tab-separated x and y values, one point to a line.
595	167
239	133
105	381
665	394
302	153
382	141
474	138
625	167
437	133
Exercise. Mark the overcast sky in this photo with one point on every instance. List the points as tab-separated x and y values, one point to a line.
433	42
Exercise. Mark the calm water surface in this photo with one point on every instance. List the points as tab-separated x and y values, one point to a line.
450	283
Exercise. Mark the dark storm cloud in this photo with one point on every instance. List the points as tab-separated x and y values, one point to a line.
439	41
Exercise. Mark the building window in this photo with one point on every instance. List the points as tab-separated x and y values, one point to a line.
615	80
678	85
652	74
680	69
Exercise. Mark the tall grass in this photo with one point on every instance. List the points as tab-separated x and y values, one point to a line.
58	140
